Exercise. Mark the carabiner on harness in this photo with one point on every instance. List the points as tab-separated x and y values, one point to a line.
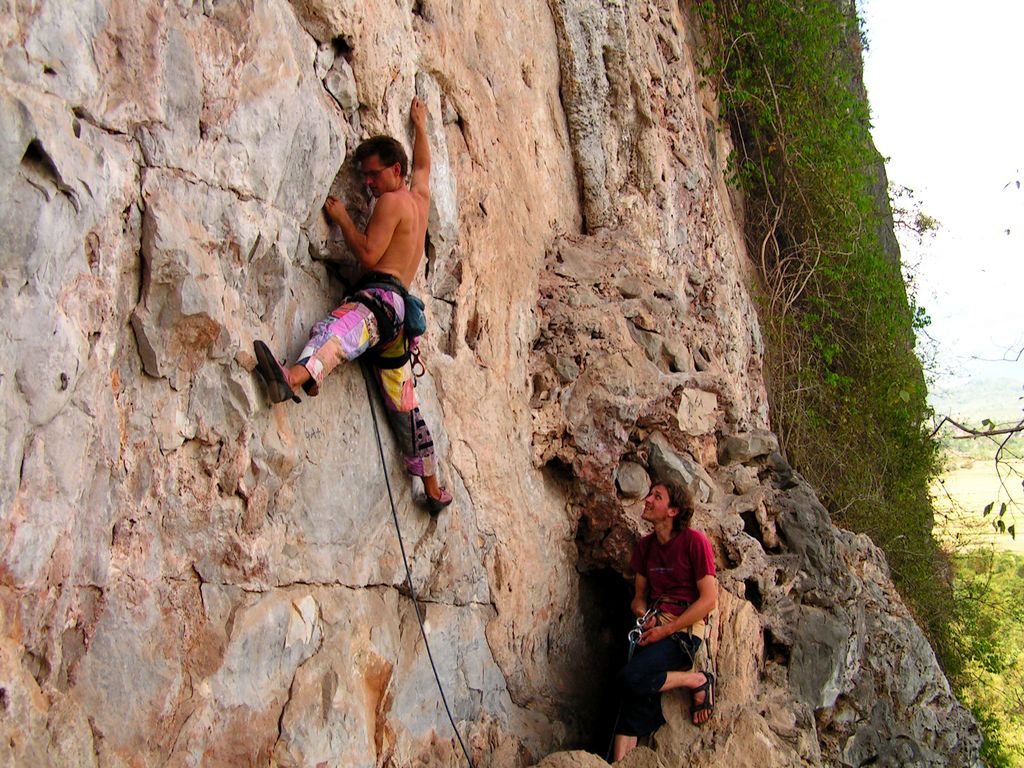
637	632
418	369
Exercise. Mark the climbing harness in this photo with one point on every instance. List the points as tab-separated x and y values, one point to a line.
408	570
414	325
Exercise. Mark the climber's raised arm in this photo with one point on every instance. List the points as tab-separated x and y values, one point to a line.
420	151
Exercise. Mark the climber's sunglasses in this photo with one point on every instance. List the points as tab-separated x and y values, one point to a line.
372	173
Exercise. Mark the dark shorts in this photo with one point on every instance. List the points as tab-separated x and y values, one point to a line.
641	680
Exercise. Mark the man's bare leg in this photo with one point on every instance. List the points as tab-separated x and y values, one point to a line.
690	680
297	375
431	486
622	746
437	497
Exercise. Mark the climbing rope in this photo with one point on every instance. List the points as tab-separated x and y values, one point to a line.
408	571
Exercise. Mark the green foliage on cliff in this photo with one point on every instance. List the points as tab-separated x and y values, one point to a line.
847	389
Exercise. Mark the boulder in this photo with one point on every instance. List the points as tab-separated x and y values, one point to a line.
744	448
666	464
632	480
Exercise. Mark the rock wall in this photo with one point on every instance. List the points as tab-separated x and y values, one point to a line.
189	576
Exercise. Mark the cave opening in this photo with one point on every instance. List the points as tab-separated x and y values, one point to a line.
342	47
604	596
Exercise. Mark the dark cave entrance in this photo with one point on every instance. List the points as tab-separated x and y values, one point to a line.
604	596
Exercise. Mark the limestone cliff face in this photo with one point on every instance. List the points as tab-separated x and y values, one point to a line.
189	576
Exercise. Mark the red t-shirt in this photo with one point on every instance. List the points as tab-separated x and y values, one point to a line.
673	569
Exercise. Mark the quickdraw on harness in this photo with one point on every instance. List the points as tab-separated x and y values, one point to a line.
637	632
707	645
683	637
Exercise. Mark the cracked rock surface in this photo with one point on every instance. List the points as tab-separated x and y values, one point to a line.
190	576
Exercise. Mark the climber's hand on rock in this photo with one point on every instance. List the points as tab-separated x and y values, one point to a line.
335	209
418	112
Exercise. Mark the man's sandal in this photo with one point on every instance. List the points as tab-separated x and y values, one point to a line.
708	705
274	374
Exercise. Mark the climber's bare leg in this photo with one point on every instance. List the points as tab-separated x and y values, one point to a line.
674	679
297	375
692	680
431	486
622	746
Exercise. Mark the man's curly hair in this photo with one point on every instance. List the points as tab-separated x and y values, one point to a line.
680	497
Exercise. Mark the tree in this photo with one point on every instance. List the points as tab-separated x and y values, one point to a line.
1006	459
908	215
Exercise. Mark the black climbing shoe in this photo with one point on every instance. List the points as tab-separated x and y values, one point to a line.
274	374
434	506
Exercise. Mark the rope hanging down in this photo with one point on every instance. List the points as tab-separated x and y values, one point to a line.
408	571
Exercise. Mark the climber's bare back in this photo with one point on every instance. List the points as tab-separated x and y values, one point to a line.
402	255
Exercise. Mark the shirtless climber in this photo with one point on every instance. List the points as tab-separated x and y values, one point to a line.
675	573
371	319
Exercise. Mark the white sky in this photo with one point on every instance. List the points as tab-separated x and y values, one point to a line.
946	85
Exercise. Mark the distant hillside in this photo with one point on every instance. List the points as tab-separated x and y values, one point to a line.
995	399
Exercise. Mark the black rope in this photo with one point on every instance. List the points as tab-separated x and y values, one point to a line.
618	714
408	571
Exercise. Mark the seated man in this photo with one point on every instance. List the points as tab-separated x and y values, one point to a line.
371	320
675	574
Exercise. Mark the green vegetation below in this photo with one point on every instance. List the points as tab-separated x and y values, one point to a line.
847	388
989	619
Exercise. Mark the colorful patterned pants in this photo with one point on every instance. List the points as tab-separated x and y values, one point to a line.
348	332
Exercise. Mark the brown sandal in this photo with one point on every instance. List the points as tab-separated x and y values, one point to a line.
708	705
